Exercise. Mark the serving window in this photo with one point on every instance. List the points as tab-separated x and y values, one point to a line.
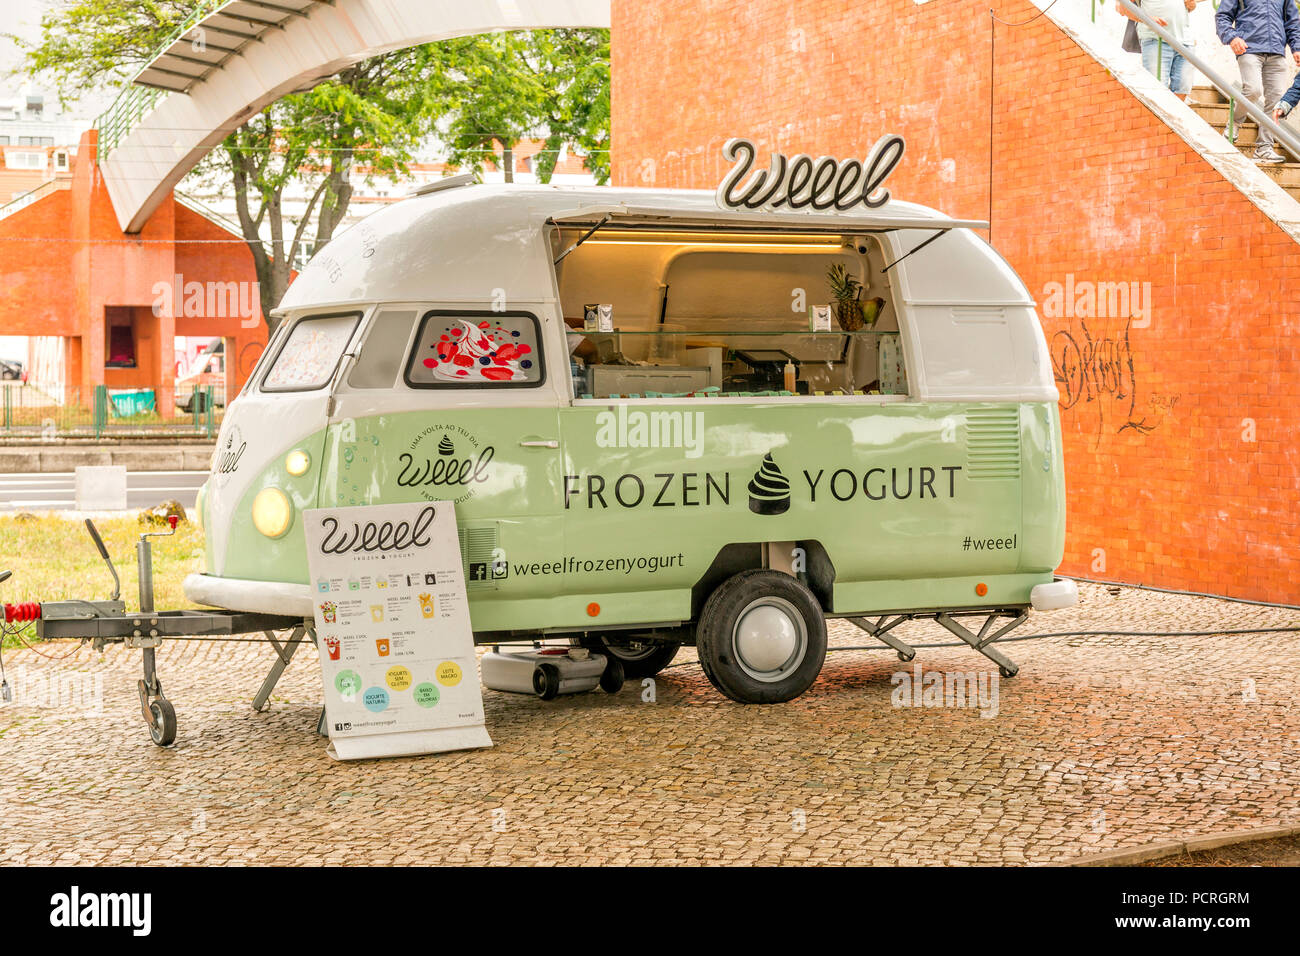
463	349
669	314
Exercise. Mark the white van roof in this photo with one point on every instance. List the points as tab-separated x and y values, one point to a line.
475	243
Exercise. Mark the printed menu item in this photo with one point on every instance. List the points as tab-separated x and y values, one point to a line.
393	628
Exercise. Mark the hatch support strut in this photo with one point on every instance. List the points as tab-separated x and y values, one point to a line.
585	236
917	248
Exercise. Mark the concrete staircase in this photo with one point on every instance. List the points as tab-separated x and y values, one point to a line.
1212	106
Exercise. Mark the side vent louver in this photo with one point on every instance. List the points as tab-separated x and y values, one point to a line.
993	443
478	548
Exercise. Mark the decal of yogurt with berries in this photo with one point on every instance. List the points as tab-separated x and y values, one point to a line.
486	351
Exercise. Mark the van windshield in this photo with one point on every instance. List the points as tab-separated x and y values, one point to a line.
311	353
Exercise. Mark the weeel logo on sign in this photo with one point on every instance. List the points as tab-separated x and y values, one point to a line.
821	184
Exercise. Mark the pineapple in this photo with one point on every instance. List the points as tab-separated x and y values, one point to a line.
845	289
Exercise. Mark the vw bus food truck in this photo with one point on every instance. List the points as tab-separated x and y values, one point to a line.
652	433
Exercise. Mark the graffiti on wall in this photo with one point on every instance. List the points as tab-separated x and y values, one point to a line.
1092	354
1096	376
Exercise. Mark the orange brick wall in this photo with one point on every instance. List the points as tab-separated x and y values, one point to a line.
64	260
31	304
1166	485
204	252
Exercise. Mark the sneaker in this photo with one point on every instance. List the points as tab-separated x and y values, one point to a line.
1267	155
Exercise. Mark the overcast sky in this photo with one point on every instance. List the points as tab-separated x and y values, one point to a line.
23	18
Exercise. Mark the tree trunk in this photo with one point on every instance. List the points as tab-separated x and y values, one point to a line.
508	161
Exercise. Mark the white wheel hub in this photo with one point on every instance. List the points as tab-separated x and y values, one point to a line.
770	639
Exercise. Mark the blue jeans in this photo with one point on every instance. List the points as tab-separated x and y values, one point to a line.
1174	72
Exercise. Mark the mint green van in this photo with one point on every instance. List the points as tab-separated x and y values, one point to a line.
651	434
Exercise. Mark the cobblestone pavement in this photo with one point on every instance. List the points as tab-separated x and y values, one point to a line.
1099	743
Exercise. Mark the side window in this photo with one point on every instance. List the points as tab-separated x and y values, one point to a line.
310	353
381	354
476	350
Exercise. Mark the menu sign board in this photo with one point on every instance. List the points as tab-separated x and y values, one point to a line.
393	631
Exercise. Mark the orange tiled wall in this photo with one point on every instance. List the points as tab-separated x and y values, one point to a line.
1182	464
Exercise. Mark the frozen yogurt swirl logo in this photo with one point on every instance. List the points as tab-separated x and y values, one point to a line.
445	447
769	491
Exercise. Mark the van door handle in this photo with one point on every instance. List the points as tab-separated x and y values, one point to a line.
541	443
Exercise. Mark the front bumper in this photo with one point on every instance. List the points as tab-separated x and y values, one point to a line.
1061	593
262	597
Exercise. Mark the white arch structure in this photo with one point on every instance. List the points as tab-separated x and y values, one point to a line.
237	57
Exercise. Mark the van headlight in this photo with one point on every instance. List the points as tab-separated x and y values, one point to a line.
272	513
297	462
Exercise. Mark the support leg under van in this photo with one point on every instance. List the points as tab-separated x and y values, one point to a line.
983	641
881	632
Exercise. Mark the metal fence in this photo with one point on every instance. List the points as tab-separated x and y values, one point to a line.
46	412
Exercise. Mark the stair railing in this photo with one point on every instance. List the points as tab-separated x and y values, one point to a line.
1233	92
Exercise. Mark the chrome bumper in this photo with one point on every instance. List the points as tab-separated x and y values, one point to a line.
263	597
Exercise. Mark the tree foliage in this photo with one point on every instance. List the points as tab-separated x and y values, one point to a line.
498	89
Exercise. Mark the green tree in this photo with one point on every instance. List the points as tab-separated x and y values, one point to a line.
498	89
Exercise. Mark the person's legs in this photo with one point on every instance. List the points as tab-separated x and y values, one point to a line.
1152	59
1275	82
1251	66
1252	82
1180	75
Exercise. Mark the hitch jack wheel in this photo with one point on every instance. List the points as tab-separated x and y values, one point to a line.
162	722
158	712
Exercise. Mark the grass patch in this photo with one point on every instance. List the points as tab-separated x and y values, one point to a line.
53	559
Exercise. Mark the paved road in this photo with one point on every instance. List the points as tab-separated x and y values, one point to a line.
57	491
1099	743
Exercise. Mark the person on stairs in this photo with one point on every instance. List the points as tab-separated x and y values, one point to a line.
1258	33
1159	58
1289	99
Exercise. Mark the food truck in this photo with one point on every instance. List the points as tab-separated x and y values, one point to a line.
663	420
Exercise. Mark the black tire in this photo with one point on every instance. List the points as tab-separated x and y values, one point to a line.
546	681
716	637
637	663
611	679
162	729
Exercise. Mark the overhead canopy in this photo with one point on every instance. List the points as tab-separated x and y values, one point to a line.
695	209
214	39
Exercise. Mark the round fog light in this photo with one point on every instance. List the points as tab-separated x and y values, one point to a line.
297	462
272	512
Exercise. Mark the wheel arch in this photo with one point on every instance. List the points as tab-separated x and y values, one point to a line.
818	570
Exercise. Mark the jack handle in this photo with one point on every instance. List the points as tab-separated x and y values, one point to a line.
172	521
103	553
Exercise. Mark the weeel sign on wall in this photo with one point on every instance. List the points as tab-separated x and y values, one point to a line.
392	620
